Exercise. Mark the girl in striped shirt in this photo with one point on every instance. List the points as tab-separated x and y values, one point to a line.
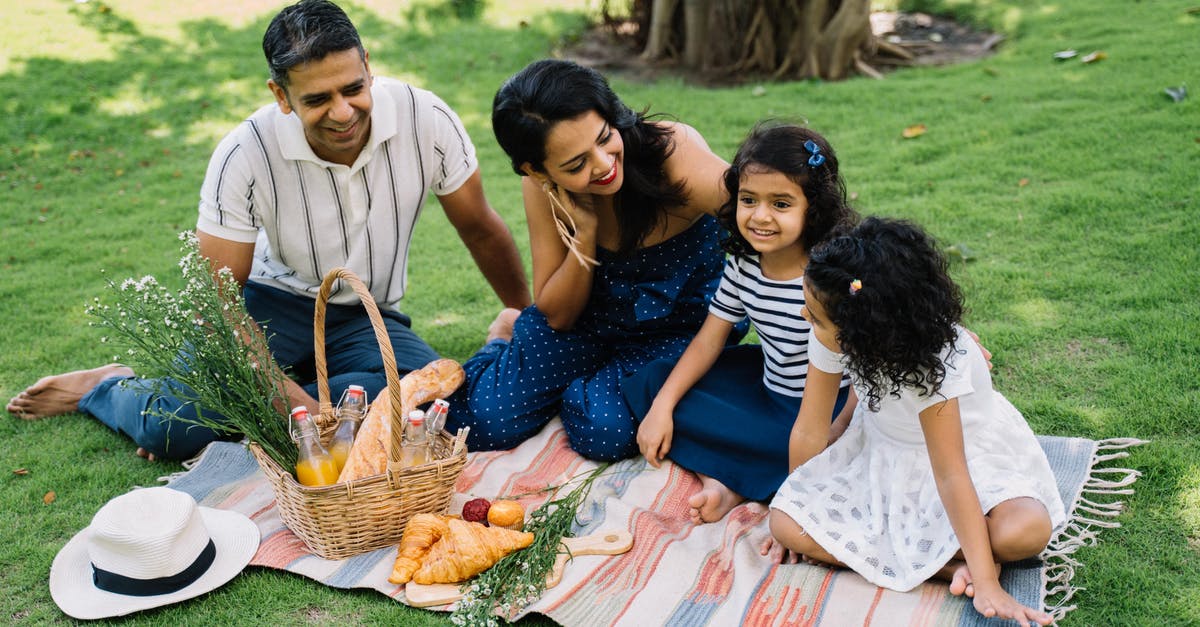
726	412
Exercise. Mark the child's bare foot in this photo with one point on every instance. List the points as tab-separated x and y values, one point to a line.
502	327
960	581
60	393
713	501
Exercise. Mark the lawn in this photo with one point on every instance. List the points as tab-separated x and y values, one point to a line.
1072	186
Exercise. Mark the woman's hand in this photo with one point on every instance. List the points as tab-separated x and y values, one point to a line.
654	435
576	212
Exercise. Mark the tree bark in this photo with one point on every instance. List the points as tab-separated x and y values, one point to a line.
658	44
827	39
697	35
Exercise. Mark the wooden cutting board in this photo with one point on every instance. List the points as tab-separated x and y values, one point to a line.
603	543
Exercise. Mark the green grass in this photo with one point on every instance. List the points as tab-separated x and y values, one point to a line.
1074	186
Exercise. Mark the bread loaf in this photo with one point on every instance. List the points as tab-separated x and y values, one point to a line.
369	455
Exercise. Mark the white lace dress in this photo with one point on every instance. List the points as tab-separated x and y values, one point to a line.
870	498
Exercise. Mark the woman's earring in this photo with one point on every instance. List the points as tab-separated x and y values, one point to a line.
567	235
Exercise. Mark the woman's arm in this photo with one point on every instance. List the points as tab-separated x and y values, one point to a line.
811	431
942	426
654	434
561	284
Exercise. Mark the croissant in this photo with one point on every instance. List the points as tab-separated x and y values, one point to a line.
421	532
467	549
369	455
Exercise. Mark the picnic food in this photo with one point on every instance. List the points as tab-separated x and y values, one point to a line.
476	510
420	533
369	456
467	549
507	514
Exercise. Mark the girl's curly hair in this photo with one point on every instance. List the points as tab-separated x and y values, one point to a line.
894	328
780	147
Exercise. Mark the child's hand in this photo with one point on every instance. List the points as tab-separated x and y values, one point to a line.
993	602
654	435
987	354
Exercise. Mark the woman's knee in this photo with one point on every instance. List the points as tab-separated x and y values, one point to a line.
1018	528
599	427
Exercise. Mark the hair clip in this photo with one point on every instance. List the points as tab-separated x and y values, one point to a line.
813	149
855	286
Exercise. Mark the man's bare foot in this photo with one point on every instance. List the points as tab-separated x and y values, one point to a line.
713	501
502	327
147	455
60	393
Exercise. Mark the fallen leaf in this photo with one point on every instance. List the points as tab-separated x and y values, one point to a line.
1023	182
1177	93
21	471
49	498
1093	57
985	98
960	252
1063	55
916	130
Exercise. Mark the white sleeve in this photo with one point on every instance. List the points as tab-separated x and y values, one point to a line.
822	358
726	302
226	197
958	362
453	147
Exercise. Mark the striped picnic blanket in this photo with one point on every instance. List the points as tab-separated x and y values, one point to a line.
678	573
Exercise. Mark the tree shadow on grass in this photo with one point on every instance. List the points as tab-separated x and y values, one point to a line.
105	158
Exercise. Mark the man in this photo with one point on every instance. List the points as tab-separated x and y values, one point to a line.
335	173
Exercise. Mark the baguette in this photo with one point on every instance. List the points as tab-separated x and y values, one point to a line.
369	455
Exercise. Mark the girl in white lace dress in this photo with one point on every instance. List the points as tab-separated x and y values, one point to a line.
938	475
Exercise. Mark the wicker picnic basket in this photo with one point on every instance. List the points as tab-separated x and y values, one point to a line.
355	517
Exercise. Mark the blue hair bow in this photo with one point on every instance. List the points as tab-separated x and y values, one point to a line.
813	149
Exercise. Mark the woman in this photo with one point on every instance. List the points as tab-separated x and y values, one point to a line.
625	256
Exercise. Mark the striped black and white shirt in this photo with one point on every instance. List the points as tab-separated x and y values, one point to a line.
307	216
774	309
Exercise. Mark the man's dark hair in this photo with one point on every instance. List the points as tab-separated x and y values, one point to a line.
307	31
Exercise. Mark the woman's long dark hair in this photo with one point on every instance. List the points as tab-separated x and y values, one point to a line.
895	326
546	92
780	147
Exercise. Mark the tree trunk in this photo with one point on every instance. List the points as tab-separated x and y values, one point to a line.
828	39
697	33
658	43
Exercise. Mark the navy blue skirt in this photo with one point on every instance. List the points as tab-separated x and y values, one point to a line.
729	426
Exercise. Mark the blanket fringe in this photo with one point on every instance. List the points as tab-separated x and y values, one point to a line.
1088	517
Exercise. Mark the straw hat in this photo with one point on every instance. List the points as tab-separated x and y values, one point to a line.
149	548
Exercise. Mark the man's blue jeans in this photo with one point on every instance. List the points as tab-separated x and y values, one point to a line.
130	405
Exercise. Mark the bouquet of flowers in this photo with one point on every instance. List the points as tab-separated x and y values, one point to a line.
202	347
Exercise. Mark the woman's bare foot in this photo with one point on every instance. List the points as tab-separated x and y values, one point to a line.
713	501
502	327
147	455
60	393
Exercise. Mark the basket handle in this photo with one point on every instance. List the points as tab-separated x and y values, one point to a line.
385	348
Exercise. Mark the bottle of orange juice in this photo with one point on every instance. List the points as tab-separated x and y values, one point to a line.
351	410
315	466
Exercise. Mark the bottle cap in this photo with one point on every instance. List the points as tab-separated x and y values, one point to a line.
299	412
416	417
